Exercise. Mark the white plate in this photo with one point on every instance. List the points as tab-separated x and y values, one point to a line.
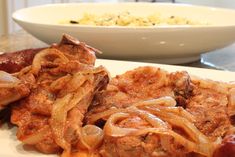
168	44
11	147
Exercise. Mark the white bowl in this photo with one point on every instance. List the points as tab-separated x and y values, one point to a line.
168	44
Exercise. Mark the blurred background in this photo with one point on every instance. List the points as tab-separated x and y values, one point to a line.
7	7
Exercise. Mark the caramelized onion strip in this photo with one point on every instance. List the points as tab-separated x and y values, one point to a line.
22	71
165	101
92	119
39	57
8	85
111	129
94	70
162	101
179	111
7	78
181	122
91	136
59	115
152	119
58	118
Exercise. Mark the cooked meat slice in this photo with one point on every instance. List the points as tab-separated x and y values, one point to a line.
41	102
209	104
204	100
77	50
140	84
31	115
143	83
63	81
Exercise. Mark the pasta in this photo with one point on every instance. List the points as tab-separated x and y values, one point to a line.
128	19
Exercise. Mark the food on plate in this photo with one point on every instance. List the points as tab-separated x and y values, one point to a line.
62	81
150	112
72	108
128	19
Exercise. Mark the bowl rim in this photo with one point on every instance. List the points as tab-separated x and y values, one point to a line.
17	18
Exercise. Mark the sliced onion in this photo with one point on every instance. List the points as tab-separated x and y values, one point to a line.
152	119
180	112
60	82
94	70
111	129
162	101
22	71
59	115
58	118
91	136
166	101
39	57
8	85
7	78
94	117
183	123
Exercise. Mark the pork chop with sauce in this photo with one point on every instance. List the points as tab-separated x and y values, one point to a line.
62	81
209	102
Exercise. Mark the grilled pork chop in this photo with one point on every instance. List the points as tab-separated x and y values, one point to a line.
207	101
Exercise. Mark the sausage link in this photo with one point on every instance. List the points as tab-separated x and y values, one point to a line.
15	61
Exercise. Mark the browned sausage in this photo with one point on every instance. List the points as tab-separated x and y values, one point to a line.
227	148
15	61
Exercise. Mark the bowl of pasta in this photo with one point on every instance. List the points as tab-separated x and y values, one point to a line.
162	32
